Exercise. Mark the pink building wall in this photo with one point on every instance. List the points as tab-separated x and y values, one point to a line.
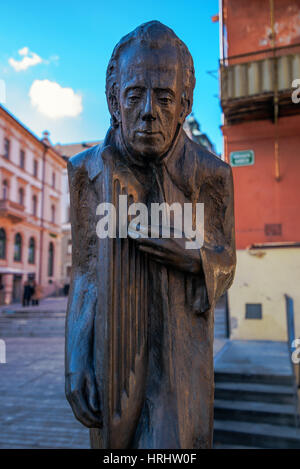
17	216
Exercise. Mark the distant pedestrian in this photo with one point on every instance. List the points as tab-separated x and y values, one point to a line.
37	295
27	293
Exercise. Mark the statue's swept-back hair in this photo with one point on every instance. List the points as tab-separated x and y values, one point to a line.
154	35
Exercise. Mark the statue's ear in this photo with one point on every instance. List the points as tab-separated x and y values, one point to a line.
185	109
114	108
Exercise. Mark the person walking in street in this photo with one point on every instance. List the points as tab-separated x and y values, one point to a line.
26	293
37	295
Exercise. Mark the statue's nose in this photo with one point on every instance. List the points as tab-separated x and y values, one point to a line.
148	111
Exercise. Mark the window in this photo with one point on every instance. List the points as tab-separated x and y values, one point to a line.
18	248
31	251
2	244
35	168
52	213
253	311
34	205
22	159
273	229
69	249
5	190
51	259
21	196
53	179
6	148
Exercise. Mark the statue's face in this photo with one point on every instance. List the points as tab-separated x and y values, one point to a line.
150	104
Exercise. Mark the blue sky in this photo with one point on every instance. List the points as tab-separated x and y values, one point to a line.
70	43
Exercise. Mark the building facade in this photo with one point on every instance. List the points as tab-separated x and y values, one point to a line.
260	59
68	150
193	130
30	210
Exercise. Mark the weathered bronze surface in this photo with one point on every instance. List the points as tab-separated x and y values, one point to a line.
139	331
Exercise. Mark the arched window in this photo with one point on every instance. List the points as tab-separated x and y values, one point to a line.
51	259
22	159
53	213
2	244
53	179
31	251
18	248
21	196
6	148
35	168
34	205
5	190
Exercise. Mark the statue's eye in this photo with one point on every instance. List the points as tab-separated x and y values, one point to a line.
133	99
165	100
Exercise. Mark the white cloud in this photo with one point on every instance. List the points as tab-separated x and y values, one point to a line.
54	101
29	60
24	51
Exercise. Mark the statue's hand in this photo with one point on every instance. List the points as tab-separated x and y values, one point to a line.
81	392
168	251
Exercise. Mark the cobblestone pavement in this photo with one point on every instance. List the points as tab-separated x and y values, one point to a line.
34	412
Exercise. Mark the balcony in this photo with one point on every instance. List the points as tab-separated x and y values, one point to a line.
12	211
259	85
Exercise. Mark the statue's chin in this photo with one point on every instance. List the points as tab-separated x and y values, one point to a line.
147	152
148	155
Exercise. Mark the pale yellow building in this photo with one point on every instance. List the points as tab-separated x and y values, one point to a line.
264	275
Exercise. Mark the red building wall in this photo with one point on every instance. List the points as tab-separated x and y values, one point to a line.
248	24
259	198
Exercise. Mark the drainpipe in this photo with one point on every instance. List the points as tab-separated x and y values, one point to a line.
276	142
42	212
222	65
221	30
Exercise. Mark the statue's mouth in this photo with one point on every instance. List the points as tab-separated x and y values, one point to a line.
147	132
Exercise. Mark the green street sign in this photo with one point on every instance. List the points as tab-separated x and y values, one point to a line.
242	158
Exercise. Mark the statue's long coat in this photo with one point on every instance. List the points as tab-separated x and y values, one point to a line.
178	404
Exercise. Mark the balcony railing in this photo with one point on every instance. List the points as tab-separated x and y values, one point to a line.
12	210
250	81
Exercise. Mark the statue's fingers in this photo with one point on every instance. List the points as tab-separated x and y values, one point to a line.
160	257
154	252
156	243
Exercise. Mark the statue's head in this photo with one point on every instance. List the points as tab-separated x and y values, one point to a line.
150	81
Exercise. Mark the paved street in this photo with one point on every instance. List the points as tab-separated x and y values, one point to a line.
33	410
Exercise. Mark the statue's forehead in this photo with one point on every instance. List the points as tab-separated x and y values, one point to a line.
142	64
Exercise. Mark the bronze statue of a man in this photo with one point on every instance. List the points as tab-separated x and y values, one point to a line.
139	331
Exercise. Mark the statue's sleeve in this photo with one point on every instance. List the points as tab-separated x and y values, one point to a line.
218	252
83	292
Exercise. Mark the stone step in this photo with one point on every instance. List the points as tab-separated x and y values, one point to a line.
260	435
13	315
255	392
220	327
220	332
258	412
37	327
260	378
220	319
224	446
